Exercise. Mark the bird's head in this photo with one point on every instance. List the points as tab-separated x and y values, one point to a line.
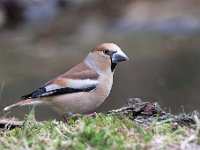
107	55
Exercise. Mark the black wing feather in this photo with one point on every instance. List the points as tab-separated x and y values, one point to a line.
42	92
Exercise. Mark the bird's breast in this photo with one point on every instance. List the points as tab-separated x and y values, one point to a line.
104	87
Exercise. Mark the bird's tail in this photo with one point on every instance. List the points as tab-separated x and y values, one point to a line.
20	103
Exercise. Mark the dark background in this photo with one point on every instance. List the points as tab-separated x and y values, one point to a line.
40	39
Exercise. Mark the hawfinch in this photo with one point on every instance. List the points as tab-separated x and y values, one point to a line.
81	89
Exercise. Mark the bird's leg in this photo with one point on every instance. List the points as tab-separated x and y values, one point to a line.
65	118
94	114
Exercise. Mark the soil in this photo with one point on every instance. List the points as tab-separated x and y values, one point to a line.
145	113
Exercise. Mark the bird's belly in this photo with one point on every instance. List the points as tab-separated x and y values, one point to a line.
78	103
83	102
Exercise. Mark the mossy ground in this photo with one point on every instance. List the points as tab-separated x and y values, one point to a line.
102	132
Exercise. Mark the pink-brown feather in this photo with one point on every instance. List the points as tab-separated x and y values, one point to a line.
81	71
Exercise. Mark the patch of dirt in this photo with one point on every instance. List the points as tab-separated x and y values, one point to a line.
145	113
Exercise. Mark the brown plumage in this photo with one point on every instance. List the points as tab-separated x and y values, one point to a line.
20	103
84	87
81	71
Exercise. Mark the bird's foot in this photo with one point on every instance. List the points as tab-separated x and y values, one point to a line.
65	119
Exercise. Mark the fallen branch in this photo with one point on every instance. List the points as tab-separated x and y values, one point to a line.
10	124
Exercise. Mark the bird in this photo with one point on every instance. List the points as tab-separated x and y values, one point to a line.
81	89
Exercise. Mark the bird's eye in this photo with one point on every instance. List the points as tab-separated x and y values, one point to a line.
106	52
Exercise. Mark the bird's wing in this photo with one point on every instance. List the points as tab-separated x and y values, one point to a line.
81	78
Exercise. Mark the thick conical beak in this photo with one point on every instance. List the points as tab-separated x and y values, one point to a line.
119	56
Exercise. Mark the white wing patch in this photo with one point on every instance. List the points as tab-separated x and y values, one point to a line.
72	83
53	87
81	84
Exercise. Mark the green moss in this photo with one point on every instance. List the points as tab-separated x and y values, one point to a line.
103	132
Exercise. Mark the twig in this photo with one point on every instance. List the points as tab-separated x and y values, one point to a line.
10	124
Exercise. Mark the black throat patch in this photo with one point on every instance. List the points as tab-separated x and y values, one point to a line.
113	66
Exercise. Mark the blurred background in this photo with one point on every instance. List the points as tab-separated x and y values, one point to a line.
40	39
